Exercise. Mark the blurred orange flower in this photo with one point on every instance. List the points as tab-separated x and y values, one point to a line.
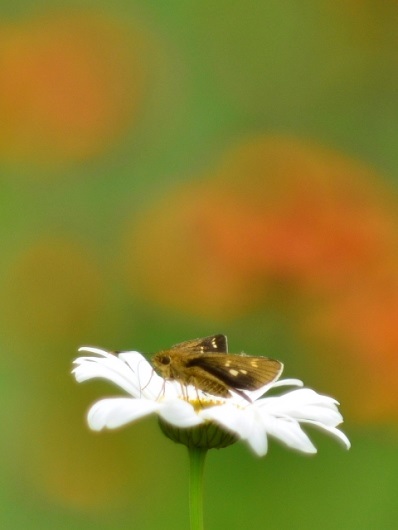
70	84
299	213
364	319
274	210
170	259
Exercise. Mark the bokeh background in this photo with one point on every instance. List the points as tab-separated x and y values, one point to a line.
175	169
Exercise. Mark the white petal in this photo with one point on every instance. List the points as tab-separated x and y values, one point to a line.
326	416
179	413
242	422
111	368
91	349
333	431
150	384
115	412
228	416
303	404
258	441
256	394
289	432
307	396
256	435
288	382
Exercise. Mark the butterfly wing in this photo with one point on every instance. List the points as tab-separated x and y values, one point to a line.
212	344
244	372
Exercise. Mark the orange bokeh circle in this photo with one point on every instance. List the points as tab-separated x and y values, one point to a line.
70	84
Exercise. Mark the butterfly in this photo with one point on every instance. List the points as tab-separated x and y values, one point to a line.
207	365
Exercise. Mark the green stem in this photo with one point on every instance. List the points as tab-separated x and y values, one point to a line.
196	465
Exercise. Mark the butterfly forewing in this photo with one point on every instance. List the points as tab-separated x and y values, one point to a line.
244	372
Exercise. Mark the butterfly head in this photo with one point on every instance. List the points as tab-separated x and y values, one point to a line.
162	363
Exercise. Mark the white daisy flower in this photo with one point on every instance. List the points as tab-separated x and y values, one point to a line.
197	419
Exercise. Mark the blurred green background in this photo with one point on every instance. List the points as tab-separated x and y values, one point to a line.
175	169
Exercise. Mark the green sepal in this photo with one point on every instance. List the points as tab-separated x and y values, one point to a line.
208	435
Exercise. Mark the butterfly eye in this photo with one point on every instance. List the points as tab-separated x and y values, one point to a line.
165	359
